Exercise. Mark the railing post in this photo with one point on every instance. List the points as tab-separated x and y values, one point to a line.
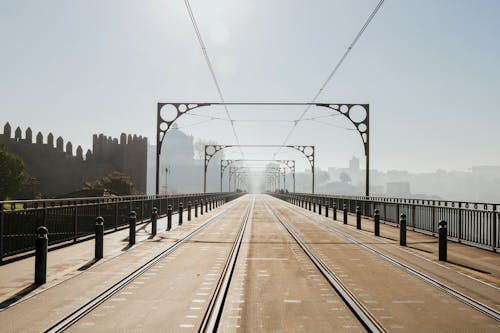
319	207
75	223
181	212
397	212
309	202
189	210
201	207
314	205
433	219
460	222
195	208
402	230
345	213
327	207
169	217
376	219
41	248
443	235
154	221
99	238
335	211
2	217
131	227
412	216
495	228
358	217
116	215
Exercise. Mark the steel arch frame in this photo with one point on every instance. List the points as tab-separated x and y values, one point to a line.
309	155
272	170
362	126
290	164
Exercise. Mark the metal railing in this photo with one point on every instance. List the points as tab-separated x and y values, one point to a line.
74	219
471	223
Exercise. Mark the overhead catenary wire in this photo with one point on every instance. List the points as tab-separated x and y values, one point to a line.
335	69
332	125
331	115
210	67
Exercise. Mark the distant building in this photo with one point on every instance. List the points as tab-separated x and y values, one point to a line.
354	164
58	170
354	171
180	171
486	171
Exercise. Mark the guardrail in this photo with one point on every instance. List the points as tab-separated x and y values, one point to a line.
475	224
74	219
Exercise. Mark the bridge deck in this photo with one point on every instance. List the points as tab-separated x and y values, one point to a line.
349	281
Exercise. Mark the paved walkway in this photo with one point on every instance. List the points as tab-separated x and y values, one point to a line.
274	287
66	262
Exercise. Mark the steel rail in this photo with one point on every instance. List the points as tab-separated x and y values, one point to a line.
361	313
437	284
213	313
71	319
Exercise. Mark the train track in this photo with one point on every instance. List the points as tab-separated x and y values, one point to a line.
435	283
369	322
213	312
212	316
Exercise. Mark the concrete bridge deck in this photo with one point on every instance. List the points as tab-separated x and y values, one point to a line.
257	264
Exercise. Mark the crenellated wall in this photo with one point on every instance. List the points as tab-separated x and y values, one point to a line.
58	171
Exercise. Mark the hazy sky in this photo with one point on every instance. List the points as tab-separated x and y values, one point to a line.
429	69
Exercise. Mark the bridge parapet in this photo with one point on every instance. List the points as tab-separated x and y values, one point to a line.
73	219
471	223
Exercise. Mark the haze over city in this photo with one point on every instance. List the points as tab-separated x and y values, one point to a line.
249	166
85	67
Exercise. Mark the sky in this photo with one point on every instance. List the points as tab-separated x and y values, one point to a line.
428	68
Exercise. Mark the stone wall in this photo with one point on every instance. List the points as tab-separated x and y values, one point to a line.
59	171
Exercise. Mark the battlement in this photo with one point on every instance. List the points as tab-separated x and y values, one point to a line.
49	144
53	161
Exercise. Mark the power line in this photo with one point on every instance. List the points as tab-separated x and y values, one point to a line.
196	124
332	73
332	125
259	120
210	67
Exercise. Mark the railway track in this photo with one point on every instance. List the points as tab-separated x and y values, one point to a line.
216	305
369	322
261	264
492	313
213	314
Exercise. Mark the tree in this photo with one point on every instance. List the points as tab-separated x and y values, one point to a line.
345	178
115	182
199	149
322	176
13	175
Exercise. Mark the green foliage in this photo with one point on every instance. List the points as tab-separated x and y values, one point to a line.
115	182
12	174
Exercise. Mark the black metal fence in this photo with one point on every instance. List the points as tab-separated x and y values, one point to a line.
471	223
73	219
